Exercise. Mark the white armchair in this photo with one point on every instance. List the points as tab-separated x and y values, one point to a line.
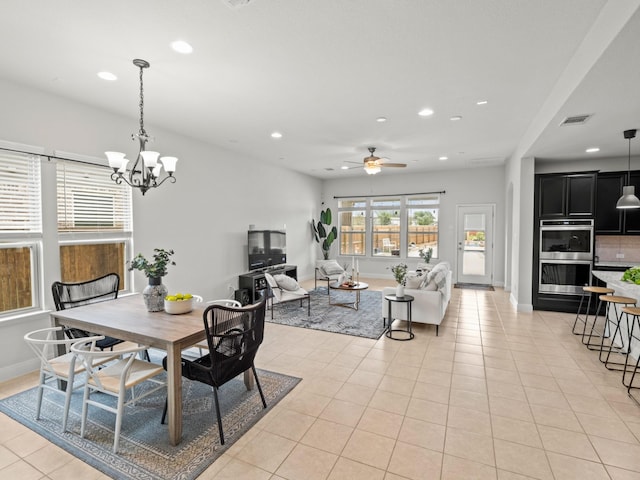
285	289
329	271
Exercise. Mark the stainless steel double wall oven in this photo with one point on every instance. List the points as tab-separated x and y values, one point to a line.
565	256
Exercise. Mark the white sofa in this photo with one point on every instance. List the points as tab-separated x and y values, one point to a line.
430	302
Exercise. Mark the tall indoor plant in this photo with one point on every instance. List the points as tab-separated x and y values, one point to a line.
324	233
155	291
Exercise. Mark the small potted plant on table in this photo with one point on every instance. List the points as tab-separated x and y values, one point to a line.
400	274
155	291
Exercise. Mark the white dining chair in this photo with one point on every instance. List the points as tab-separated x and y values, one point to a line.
115	379
54	367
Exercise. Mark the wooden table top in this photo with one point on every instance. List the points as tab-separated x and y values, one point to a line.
127	318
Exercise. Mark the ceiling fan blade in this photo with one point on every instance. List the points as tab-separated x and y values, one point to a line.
400	165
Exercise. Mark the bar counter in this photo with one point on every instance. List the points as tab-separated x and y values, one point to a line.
622	289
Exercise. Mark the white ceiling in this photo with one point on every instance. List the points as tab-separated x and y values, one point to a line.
322	71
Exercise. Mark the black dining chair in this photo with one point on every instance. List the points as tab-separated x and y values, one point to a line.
233	336
70	295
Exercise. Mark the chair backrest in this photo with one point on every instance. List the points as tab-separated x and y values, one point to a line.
44	343
233	335
69	295
386	242
225	302
273	286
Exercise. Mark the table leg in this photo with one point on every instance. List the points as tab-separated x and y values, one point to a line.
249	381
174	394
389	320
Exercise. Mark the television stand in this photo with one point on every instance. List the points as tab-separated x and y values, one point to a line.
256	284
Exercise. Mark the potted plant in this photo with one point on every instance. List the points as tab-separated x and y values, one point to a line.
400	274
426	254
324	233
155	291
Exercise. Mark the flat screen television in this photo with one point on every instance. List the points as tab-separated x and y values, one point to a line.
266	248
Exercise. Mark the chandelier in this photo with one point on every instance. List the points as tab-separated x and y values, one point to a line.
146	171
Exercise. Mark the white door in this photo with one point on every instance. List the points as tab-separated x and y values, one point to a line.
475	244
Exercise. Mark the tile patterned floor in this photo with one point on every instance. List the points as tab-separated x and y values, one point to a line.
498	395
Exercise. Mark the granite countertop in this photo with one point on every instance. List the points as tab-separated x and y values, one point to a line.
626	264
613	280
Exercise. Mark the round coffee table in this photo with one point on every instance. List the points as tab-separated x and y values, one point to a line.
357	288
406	299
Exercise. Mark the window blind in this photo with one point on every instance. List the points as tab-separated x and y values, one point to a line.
89	201
20	197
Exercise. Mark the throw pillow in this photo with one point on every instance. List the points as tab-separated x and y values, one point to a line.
331	267
285	282
413	280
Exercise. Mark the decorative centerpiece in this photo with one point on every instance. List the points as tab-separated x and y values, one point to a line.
155	291
400	274
180	303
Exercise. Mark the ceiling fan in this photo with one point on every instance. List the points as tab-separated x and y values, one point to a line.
373	164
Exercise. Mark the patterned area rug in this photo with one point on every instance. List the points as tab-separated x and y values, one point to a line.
145	452
365	322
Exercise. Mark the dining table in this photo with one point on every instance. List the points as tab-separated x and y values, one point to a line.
127	318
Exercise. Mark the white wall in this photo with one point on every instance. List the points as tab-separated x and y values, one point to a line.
204	217
469	186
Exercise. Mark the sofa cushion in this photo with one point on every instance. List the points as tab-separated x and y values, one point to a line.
285	282
330	267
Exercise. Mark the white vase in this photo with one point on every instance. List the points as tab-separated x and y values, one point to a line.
399	291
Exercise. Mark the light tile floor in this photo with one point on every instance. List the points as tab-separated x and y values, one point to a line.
498	395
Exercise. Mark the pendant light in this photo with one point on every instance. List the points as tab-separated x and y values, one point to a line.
628	198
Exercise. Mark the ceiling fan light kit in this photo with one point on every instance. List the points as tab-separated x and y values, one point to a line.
628	199
373	164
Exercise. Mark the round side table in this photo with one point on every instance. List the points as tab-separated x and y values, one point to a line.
408	299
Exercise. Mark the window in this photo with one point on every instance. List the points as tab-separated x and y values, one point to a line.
352	230
94	222
422	224
399	226
385	214
20	231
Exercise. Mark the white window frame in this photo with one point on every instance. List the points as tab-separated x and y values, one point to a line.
30	235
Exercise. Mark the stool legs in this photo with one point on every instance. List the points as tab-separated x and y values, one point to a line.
619	350
586	315
588	343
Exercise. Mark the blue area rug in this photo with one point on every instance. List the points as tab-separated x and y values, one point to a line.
145	452
365	322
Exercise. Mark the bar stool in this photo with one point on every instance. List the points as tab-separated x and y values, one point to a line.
617	318
584	317
635	321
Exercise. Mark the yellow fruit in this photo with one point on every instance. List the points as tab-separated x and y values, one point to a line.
171	298
187	296
179	296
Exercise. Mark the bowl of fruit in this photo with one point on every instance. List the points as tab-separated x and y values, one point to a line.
180	303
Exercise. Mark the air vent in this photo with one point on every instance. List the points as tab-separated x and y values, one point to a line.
575	120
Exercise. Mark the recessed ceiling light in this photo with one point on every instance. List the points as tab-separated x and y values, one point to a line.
344	167
107	76
592	150
455	118
276	135
381	119
181	46
443	158
425	112
481	102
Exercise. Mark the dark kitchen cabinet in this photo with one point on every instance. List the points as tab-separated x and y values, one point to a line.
566	195
610	220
